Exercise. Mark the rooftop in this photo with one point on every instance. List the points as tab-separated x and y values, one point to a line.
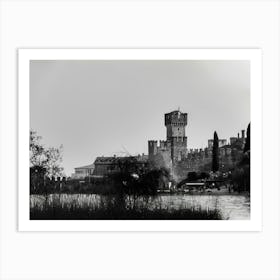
90	166
139	158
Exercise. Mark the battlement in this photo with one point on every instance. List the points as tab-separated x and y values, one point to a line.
176	118
173	152
175	123
158	145
222	142
158	152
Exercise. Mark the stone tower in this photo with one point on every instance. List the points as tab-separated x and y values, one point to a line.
175	123
152	148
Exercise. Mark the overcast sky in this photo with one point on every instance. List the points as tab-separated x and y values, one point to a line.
97	108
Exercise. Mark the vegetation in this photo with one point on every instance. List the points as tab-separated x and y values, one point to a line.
110	208
194	176
128	193
240	176
248	139
215	154
42	158
123	196
44	162
130	179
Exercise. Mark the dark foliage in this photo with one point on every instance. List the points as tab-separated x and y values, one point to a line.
113	211
241	178
215	154
241	174
44	163
204	175
121	183
248	139
192	176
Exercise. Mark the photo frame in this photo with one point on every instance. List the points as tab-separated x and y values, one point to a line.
25	58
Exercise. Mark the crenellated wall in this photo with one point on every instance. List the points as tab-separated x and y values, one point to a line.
174	153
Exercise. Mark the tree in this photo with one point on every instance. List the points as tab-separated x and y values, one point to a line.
204	175
248	139
215	153
241	178
192	176
45	161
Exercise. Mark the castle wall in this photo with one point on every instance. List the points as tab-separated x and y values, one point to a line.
175	131
152	148
178	148
173	153
160	155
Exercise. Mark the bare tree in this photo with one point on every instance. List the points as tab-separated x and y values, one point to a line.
42	159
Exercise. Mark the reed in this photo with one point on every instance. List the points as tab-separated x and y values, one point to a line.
118	208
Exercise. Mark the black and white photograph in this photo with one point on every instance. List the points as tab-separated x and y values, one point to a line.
139	139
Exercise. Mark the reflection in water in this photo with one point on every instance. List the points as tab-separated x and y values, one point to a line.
233	207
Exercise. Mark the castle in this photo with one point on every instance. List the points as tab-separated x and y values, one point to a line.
174	149
174	154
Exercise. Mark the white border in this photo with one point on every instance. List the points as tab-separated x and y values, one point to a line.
253	55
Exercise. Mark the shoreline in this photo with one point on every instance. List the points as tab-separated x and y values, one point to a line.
215	193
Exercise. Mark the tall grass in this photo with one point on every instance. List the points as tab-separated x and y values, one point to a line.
116	207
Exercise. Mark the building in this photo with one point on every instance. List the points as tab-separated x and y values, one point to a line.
83	171
201	159
238	139
222	142
173	153
105	166
174	148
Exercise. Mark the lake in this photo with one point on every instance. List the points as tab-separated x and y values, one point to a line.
233	207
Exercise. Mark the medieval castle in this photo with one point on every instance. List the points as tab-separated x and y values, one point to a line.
172	153
174	149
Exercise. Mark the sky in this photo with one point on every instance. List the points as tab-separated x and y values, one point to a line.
96	108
